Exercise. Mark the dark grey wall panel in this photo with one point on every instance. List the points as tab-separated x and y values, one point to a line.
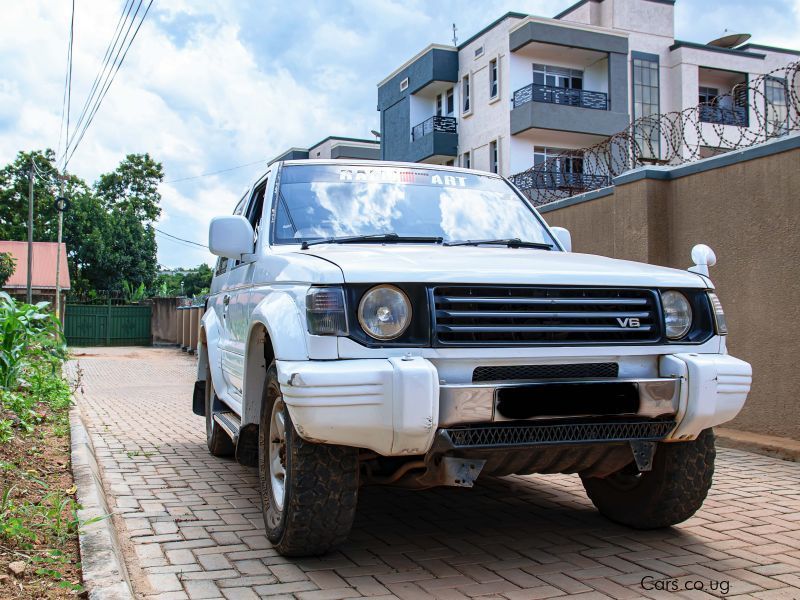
433	144
567	118
566	36
357	152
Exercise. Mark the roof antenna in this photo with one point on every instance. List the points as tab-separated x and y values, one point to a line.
455	38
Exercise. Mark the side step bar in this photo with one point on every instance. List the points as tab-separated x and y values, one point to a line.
230	422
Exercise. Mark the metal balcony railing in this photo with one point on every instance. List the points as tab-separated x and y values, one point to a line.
736	115
553	179
557	95
440	124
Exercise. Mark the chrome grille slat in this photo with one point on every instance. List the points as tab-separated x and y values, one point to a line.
536	315
517	315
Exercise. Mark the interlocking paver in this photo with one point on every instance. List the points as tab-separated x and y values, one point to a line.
194	529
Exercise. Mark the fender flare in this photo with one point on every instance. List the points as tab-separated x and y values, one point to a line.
209	338
279	315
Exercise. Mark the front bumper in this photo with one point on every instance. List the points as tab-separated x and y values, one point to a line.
394	406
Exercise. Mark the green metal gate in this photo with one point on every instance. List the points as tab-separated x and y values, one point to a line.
108	325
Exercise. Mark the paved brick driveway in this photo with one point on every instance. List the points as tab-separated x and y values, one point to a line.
191	524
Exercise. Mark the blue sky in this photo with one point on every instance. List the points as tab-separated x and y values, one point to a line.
211	84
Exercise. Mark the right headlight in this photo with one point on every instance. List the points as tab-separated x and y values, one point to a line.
677	314
384	312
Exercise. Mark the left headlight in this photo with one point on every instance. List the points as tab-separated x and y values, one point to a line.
384	312
677	314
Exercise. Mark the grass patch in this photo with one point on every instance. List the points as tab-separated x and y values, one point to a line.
38	509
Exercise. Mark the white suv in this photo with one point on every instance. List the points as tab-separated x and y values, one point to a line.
415	325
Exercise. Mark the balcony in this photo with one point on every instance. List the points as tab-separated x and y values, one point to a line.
434	124
554	179
434	138
736	115
558	95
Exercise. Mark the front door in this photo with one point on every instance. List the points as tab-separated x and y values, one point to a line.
236	301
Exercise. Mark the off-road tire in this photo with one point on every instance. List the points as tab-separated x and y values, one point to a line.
321	487
218	441
669	494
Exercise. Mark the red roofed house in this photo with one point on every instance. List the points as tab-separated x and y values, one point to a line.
43	283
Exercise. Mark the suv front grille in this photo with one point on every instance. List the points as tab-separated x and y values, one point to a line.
570	371
494	315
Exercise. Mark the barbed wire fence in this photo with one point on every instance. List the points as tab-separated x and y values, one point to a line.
764	108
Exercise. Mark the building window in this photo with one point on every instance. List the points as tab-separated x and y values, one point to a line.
404	84
494	165
494	87
646	134
560	160
446	103
776	106
465	94
466	160
451	102
708	95
478	51
557	77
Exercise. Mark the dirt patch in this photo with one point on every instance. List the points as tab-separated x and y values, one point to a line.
38	531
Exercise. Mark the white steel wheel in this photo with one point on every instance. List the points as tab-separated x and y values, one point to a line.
277	453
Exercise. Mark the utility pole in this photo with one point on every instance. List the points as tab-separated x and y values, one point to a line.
61	205
30	234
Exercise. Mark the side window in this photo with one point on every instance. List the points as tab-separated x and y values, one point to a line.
256	209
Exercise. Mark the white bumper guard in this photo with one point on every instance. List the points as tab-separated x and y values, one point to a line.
391	406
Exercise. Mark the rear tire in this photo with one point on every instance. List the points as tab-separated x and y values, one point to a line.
218	441
308	491
669	494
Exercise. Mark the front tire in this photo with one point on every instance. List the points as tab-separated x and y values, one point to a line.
669	494
218	441
308	491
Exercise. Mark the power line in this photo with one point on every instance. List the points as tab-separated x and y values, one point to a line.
104	63
179	238
67	83
257	162
113	76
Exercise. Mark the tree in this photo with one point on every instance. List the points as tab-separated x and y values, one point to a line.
7	265
198	281
108	228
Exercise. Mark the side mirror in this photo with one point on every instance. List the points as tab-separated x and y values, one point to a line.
230	236
563	236
703	257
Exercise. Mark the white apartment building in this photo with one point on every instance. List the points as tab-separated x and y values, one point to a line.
526	88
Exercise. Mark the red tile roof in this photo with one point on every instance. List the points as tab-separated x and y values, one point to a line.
44	265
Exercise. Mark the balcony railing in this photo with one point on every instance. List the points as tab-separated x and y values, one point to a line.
557	95
553	179
736	115
440	124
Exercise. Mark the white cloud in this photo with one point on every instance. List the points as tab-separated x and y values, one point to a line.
210	84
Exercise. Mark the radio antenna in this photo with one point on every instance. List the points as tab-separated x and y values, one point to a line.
455	38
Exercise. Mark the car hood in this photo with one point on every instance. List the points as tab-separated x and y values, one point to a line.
425	263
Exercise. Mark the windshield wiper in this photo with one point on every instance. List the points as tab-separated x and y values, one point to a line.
375	237
510	242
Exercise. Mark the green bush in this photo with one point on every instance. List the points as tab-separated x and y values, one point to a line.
25	330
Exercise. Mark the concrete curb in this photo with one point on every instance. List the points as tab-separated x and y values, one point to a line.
768	445
104	574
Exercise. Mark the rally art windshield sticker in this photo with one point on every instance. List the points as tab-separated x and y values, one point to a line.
401	176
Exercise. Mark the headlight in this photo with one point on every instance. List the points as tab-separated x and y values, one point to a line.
719	314
384	312
677	314
325	311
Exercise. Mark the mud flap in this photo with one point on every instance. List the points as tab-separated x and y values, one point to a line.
199	398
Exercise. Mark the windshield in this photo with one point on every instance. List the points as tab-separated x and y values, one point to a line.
330	201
